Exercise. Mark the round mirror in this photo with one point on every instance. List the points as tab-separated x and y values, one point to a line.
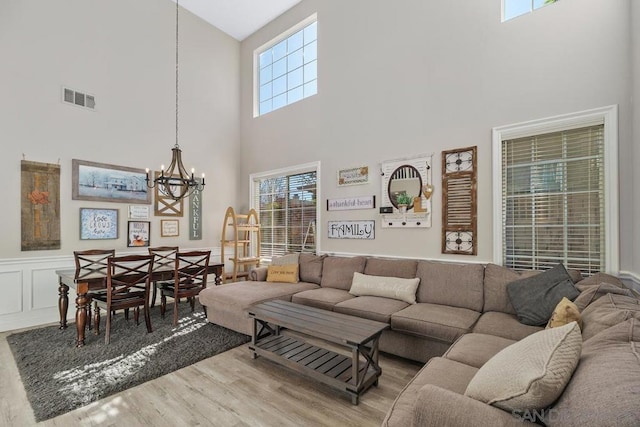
405	183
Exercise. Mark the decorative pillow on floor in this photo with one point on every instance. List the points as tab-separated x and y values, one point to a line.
531	373
388	287
565	312
535	297
283	273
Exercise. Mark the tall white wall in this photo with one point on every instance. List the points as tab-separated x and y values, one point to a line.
123	52
412	77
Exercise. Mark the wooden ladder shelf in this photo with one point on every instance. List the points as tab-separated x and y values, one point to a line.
240	234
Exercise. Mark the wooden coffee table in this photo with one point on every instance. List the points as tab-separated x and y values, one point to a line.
353	375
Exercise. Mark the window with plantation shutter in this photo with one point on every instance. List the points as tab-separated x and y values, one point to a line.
286	202
558	195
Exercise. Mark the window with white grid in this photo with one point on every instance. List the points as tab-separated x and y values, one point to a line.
515	8
287	68
287	204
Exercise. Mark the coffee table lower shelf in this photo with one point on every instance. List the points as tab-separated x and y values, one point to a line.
328	367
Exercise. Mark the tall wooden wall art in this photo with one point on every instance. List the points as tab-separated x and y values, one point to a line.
40	206
459	201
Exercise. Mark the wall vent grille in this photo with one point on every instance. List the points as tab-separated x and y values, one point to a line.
80	99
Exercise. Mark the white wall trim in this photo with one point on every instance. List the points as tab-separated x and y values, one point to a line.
607	115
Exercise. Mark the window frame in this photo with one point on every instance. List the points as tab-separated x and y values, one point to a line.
531	10
254	178
268	45
607	115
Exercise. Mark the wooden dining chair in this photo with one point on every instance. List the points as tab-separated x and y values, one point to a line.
125	275
165	260
190	277
92	262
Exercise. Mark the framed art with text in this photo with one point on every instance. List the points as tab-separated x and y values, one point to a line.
138	233
169	228
98	224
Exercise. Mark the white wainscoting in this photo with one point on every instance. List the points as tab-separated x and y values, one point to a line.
29	288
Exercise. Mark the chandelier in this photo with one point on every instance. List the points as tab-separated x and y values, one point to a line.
175	182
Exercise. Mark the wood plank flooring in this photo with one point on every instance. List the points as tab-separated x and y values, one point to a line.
230	389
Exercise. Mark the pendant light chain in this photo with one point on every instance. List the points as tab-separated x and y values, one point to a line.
177	9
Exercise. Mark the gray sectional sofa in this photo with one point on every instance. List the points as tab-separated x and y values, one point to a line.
462	317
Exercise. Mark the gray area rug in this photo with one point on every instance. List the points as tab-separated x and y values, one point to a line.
59	377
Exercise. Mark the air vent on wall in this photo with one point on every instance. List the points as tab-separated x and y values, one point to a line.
79	99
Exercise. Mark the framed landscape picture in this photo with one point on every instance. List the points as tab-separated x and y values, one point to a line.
98	224
109	183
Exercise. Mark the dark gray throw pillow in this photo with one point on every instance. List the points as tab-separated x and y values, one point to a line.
535	297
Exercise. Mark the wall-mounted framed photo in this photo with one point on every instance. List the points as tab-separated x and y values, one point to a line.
169	228
138	233
109	183
98	224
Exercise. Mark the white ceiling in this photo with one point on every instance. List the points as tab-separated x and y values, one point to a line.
238	18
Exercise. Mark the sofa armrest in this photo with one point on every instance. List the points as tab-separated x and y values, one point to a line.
436	406
258	274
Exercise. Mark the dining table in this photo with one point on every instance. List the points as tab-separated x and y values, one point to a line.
67	279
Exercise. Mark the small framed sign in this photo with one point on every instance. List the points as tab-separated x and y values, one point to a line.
353	176
347	203
138	211
138	233
169	228
365	229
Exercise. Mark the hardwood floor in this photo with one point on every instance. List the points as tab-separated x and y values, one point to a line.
230	389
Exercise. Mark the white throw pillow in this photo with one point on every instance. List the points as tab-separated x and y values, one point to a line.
530	374
381	286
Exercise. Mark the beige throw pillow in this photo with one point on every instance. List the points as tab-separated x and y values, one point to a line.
289	259
565	312
388	287
283	273
531	373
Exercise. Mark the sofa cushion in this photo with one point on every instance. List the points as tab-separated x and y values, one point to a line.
311	267
496	279
608	311
444	373
371	307
405	268
530	374
605	388
591	293
476	349
324	298
598	278
438	322
337	272
283	273
456	285
387	287
503	325
565	312
534	298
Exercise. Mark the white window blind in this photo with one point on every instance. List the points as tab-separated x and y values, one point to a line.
287	205
553	200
